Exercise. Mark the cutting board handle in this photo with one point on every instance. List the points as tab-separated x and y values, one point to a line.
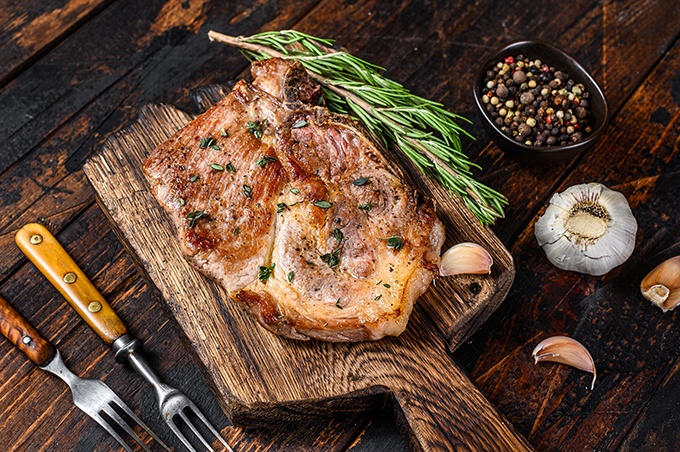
442	410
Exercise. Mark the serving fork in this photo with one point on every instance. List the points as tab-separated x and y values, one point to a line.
92	396
43	249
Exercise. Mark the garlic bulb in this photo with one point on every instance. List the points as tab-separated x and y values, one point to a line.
565	350
465	259
661	286
588	228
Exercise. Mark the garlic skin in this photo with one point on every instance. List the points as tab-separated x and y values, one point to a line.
588	228
661	286
565	350
465	259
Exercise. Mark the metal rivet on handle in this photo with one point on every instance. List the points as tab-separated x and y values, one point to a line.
70	278
26	340
94	306
36	239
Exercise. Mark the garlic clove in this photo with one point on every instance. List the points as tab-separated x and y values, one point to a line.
565	350
661	286
465	259
587	228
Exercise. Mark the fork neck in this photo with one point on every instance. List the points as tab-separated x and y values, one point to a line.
57	367
127	348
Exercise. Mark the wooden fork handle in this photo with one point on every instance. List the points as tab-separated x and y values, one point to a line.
22	334
43	249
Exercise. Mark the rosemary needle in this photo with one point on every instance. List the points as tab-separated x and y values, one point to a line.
422	129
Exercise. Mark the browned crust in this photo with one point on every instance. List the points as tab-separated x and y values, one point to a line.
212	250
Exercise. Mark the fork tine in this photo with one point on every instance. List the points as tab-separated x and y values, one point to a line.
105	424
124	425
180	435
190	424
205	421
120	404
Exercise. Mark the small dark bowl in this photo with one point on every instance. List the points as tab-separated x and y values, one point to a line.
561	61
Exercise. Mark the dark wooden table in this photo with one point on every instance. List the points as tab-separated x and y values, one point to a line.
72	72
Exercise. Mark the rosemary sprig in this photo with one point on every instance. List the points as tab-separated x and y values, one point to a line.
426	132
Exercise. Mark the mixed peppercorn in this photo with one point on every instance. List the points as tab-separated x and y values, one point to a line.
535	104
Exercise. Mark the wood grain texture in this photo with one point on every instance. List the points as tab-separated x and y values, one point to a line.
634	344
88	81
22	334
259	376
56	265
30	29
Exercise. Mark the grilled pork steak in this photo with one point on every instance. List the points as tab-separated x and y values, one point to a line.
295	211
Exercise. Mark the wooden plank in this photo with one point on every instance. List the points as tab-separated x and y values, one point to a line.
458	35
261	377
40	406
408	40
633	343
30	29
111	51
657	426
61	192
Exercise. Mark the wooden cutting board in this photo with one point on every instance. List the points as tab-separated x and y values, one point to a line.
260	378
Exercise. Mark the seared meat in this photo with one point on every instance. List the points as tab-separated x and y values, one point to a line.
295	211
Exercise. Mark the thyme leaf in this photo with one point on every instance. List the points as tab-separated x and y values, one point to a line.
361	181
195	215
266	272
395	243
205	142
323	204
264	160
299	123
337	235
255	128
332	259
247	191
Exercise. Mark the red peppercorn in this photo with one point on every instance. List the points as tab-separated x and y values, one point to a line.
509	60
545	68
576	126
566	123
547	119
